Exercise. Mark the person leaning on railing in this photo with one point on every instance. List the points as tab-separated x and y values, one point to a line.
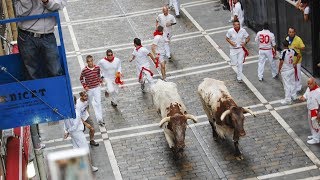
36	41
303	5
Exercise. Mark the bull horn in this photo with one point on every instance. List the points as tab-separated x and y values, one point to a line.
192	117
166	119
247	110
224	114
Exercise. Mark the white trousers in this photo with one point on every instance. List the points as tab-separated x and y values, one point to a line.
112	88
167	44
94	96
176	5
236	56
314	127
266	55
79	140
288	84
298	84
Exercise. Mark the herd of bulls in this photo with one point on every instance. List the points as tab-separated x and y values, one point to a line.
224	116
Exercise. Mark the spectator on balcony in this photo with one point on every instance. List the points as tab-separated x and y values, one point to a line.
303	5
36	41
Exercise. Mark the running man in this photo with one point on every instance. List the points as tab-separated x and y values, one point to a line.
158	50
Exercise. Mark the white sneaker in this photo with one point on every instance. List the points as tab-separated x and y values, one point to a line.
310	137
94	169
313	141
284	102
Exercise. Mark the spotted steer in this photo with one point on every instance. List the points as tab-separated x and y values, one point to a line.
224	116
173	112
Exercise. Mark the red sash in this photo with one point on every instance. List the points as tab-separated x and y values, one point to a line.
246	53
157	60
143	68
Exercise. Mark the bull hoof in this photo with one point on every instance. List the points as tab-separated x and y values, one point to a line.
239	157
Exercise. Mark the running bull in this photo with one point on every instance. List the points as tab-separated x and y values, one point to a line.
224	116
173	112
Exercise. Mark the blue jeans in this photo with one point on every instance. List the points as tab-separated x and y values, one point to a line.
40	55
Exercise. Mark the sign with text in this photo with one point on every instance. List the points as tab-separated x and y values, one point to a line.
46	100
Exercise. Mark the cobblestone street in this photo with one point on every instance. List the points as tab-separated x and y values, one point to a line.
133	146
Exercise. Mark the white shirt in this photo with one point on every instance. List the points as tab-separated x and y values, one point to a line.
237	11
82	107
237	37
266	39
163	20
73	125
287	56
109	69
306	10
159	41
313	98
141	58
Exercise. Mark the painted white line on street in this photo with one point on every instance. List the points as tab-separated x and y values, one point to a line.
73	38
67	145
218	28
311	178
131	14
61	139
290	106
296	138
275	114
136	134
284	173
113	160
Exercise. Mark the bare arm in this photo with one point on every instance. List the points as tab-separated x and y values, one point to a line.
230	42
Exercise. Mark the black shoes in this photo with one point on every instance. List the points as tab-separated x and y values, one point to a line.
93	143
114	104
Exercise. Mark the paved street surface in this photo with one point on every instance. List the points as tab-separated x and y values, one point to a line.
132	146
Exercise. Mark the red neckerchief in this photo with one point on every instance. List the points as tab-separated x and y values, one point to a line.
156	32
314	88
236	30
138	47
108	59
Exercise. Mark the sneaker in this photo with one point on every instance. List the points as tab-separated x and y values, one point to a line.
178	16
310	137
42	146
260	79
240	81
275	77
230	21
101	123
93	143
313	141
284	102
114	104
94	169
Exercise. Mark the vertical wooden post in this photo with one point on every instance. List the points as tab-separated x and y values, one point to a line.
8	32
1	49
10	11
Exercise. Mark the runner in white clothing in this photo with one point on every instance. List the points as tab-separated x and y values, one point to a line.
158	50
166	20
140	55
286	69
237	38
176	5
238	13
312	96
83	105
267	45
74	128
110	70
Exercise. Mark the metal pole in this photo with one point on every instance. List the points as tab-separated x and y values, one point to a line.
38	151
20	152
